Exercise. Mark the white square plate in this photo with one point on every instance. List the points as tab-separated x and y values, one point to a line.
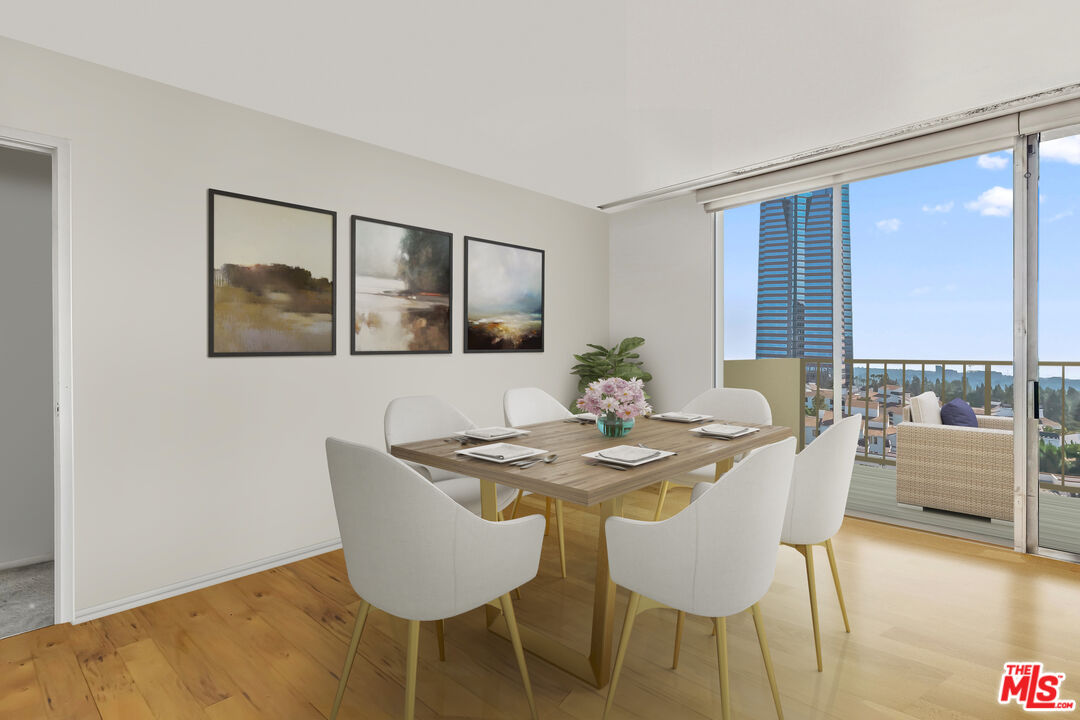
681	417
724	432
493	433
628	455
501	452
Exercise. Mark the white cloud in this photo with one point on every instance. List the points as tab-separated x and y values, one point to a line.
921	290
995	202
992	162
939	208
1059	216
951	287
1066	149
889	225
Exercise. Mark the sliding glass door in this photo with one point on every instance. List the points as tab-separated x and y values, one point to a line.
1057	443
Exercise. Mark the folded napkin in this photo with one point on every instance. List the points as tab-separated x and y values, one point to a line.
681	416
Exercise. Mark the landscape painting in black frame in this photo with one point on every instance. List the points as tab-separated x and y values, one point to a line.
272	275
504	297
402	288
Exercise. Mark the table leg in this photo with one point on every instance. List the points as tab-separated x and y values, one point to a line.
489	511
595	667
603	622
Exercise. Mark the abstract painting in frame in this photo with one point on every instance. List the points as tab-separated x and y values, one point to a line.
272	276
504	297
402	283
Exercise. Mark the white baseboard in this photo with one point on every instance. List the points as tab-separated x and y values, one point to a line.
23	562
184	586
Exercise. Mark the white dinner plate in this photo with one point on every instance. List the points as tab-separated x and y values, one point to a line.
628	455
493	433
681	417
501	452
724	432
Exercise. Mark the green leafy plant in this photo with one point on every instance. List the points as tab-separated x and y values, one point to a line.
618	361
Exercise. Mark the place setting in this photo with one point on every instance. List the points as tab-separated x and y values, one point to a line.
485	434
625	457
722	431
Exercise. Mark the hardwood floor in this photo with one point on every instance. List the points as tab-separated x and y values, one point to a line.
933	620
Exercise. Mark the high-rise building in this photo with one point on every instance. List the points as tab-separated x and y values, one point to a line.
795	276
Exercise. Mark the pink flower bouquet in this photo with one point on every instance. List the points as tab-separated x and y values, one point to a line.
615	399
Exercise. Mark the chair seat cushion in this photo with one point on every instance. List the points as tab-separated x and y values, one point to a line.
465	491
958	412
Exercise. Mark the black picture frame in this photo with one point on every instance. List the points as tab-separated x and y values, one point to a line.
543	317
213	193
449	237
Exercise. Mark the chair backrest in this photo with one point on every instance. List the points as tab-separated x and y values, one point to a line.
820	483
404	539
718	556
739	404
422	417
530	405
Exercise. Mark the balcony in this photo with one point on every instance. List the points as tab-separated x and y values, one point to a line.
878	389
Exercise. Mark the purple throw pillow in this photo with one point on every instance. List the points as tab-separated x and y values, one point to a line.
958	412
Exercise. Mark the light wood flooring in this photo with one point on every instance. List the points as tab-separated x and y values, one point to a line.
933	620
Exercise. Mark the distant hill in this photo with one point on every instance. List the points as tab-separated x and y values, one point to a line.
975	376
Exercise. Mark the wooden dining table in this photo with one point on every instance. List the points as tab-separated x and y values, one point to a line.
576	479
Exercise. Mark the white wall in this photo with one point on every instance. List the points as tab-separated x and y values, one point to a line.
661	289
26	381
186	465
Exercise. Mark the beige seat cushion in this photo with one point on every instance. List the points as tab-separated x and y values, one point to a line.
926	409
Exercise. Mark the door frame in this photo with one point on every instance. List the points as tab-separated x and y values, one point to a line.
59	149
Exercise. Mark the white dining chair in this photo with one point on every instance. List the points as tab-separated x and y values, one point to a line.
435	561
529	406
819	491
716	558
425	417
724	404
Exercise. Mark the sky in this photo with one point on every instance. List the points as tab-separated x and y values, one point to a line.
247	232
503	279
932	261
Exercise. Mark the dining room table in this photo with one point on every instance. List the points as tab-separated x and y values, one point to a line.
573	478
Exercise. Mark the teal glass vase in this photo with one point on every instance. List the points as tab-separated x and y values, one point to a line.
612	427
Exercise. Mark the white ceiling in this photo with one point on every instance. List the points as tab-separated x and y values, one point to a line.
587	100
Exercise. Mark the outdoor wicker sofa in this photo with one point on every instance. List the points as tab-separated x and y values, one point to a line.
959	469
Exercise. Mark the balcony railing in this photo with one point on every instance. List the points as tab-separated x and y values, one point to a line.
878	389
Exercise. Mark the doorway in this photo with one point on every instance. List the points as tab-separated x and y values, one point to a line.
27	482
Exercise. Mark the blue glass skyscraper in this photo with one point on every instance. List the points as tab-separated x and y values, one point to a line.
795	278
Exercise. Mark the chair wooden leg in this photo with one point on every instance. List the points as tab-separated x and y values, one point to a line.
361	618
412	652
547	515
759	624
808	553
678	639
514	507
562	535
722	660
440	634
836	581
519	652
620	655
500	517
664	486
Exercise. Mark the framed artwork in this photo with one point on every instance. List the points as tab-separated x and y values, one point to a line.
504	297
273	267
402	283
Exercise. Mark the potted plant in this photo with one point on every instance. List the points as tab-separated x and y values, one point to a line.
619	361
